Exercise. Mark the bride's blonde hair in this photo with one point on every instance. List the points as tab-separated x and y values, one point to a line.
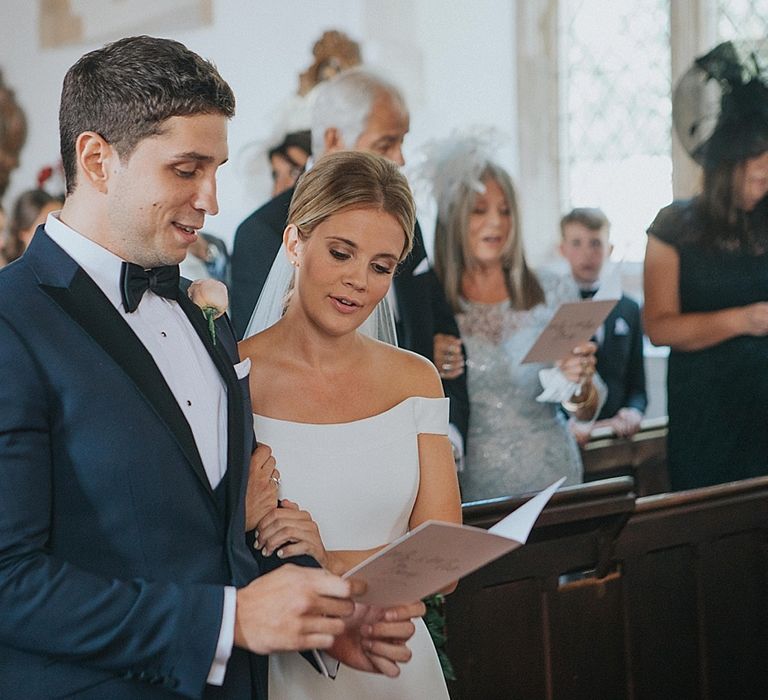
352	180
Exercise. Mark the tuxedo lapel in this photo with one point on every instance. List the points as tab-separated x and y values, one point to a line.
235	413
84	302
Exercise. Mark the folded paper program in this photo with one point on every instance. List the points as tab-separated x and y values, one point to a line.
435	554
574	323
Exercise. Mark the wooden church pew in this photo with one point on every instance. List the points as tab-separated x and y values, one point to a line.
613	597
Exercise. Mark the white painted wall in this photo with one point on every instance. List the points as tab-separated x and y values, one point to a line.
453	59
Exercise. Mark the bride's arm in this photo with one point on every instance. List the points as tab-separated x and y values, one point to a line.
438	497
290	531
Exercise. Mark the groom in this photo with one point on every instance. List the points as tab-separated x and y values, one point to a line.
125	432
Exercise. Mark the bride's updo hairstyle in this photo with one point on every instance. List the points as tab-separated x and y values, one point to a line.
352	180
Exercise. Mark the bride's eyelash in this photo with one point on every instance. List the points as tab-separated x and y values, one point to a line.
339	255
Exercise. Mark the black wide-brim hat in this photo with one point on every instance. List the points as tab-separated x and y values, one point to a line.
720	105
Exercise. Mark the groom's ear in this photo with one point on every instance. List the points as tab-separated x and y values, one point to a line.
94	156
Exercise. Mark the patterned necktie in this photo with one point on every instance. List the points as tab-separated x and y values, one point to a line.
135	280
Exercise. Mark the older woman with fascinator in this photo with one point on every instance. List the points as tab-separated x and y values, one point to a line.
515	443
706	273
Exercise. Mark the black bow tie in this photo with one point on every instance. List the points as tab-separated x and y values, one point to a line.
135	280
587	293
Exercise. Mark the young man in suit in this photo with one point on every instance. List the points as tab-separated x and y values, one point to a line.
358	110
125	430
585	245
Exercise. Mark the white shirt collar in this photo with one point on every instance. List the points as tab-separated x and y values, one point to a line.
589	287
101	265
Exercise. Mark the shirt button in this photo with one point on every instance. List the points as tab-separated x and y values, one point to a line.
189	403
164	334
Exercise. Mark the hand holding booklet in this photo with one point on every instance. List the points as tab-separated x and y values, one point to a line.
435	554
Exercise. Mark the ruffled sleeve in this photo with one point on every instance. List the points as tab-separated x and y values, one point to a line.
431	415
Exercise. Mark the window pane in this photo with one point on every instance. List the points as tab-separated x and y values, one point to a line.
616	116
742	19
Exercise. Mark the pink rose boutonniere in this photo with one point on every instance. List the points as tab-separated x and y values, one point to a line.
212	298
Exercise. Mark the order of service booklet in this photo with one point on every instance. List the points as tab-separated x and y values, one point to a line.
574	323
434	554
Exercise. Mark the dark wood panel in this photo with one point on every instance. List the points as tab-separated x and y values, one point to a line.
587	639
507	665
662	621
662	596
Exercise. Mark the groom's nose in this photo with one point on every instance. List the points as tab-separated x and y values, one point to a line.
205	196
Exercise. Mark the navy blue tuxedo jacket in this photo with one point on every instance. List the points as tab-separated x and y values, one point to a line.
422	305
620	359
114	549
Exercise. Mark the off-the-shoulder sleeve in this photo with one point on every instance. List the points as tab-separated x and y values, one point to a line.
431	415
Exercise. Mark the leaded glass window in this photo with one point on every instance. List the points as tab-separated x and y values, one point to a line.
615	113
742	19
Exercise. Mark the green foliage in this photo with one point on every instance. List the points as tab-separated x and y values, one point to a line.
435	621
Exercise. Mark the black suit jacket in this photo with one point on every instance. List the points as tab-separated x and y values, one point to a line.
620	359
422	307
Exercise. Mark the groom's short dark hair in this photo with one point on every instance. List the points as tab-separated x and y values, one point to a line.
125	90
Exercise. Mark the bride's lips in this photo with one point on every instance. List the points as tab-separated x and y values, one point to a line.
345	305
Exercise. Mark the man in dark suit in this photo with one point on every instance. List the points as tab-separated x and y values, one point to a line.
585	245
359	110
125	429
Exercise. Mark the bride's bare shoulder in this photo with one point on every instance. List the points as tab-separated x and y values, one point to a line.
412	374
256	346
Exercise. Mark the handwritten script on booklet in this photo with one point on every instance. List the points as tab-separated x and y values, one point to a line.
573	324
435	554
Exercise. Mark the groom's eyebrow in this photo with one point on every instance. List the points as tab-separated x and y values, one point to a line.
200	157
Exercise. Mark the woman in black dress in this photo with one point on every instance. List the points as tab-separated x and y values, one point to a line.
706	278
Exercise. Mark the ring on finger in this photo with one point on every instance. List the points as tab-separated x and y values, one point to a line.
275	480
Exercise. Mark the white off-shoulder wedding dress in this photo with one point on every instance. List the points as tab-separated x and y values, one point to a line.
359	481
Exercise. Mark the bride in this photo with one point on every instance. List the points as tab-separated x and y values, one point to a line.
357	426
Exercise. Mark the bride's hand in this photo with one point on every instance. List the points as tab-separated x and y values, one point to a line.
263	480
290	531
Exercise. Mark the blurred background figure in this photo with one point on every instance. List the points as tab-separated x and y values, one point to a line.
285	153
13	134
706	273
207	258
29	211
288	159
585	244
515	444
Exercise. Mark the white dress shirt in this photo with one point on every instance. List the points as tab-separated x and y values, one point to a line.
165	331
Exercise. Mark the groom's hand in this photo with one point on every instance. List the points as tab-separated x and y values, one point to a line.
292	609
375	640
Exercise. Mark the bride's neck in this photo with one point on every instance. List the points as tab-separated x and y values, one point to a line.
309	344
